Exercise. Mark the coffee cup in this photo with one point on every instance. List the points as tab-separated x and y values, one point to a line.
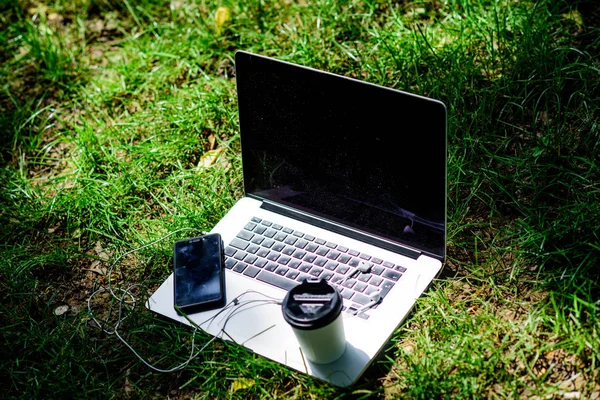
313	310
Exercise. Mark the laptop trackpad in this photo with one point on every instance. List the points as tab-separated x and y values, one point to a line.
254	322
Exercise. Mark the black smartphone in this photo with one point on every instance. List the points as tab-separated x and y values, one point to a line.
199	274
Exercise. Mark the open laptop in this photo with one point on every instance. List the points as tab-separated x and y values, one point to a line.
337	173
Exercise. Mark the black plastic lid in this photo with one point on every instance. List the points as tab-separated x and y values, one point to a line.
311	305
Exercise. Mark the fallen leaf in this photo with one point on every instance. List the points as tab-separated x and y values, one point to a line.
210	157
60	310
212	141
222	15
95	267
242	383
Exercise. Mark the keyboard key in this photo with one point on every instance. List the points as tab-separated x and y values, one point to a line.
280	237
316	271
282	271
320	261
304	267
331	265
360	286
342	269
268	243
239	267
270	233
337	278
256	219
250	226
399	268
331	245
310	238
273	256
388	264
299	254
294	263
343	249
229	251
353	253
393	275
277	226
319	241
376	281
301	243
252	249
266	223
333	255
271	266
260	230
278	246
276	280
349	283
312	247
376	260
309	258
344	258
370	290
288	250
347	294
251	271
386	287
298	234
377	269
292	274
363	315
239	244
327	275
257	239
361	299
229	263
354	262
263	252
322	251
288	230
302	277
261	262
364	277
283	260
290	240
245	235
240	255
365	257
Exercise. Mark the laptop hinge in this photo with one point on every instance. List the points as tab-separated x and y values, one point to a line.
342	230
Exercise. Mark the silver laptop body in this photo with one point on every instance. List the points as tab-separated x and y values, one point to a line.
350	170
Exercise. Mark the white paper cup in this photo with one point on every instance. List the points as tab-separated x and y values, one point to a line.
313	310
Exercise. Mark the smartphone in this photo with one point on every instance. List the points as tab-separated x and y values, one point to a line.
199	274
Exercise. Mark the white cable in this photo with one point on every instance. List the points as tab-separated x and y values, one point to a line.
230	309
133	302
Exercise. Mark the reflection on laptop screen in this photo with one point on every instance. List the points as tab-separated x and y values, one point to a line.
369	157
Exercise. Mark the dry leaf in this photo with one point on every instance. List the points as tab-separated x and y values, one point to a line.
210	157
242	383
212	141
222	15
95	267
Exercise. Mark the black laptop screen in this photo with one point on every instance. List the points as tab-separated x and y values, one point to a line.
368	157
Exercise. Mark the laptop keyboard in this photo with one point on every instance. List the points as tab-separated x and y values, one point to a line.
283	257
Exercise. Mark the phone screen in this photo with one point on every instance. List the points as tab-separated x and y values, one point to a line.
198	271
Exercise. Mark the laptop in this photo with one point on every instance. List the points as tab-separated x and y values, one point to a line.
337	173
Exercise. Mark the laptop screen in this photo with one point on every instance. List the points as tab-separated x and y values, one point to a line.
354	153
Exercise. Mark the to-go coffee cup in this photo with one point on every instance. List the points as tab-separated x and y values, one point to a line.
313	310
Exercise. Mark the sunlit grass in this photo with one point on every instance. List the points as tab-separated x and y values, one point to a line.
108	109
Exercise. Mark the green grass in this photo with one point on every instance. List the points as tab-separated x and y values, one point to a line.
107	109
